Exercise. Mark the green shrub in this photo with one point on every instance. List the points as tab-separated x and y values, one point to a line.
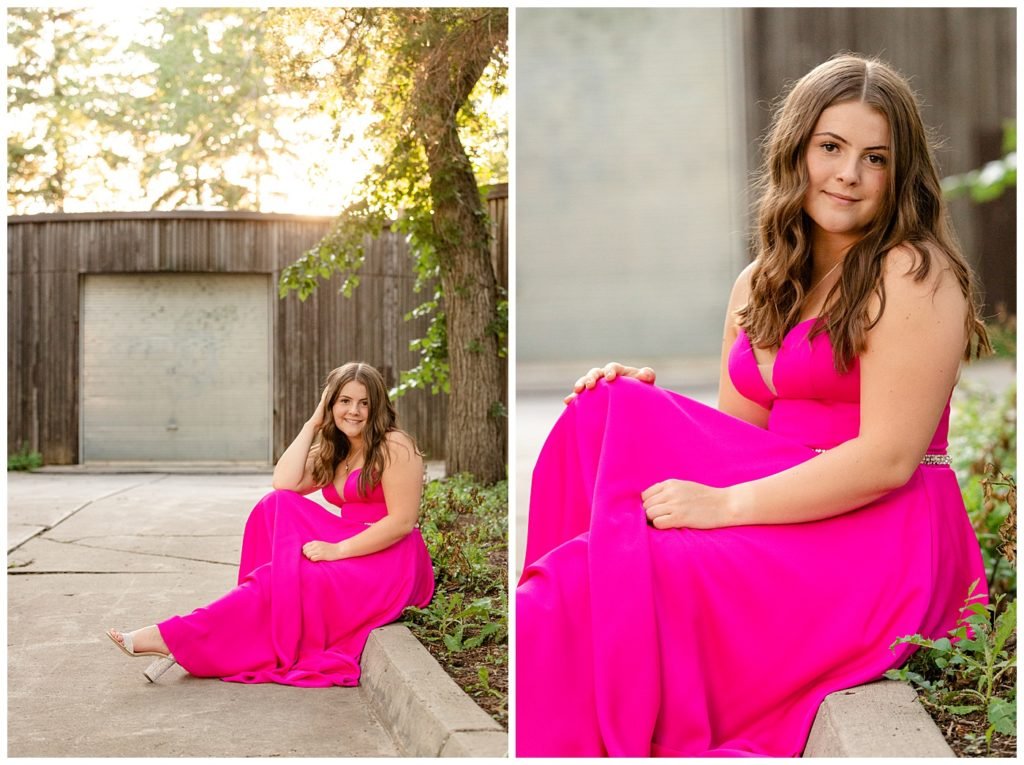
25	459
983	444
465	626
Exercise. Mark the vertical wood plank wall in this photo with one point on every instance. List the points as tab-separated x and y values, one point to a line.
962	63
48	254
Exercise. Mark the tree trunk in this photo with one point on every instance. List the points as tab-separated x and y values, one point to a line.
477	422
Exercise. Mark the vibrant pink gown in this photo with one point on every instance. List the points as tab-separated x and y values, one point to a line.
633	641
296	622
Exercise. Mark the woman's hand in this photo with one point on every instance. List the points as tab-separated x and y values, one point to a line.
320	413
322	551
675	504
609	372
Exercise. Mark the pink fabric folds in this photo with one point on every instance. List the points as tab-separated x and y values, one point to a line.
633	641
295	622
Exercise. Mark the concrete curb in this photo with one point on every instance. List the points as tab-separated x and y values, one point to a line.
429	715
879	719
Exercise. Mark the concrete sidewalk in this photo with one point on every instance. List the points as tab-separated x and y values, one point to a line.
91	551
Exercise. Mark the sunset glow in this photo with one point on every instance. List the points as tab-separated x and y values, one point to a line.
319	177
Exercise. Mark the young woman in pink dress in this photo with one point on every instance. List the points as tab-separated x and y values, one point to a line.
311	584
698	580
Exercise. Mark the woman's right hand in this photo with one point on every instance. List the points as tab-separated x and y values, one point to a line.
609	372
321	411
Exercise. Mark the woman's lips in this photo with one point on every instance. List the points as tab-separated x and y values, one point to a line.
841	197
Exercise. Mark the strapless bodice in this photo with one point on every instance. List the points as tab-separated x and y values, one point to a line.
812	403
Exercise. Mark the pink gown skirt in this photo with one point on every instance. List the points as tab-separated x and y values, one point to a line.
634	641
296	622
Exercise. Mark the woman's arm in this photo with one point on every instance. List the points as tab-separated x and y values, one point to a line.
294	471
730	400
402	482
906	373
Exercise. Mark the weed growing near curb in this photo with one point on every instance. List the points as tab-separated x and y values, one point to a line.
465	627
971	673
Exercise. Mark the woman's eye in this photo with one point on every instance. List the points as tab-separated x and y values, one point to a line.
876	159
829	146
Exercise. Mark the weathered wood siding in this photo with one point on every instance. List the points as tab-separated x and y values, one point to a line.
48	254
962	63
497	213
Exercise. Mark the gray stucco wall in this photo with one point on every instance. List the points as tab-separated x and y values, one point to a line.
631	181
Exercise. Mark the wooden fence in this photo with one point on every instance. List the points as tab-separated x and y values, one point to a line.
48	255
961	62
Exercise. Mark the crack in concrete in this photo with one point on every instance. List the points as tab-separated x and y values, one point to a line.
140	552
51	573
84	505
76	540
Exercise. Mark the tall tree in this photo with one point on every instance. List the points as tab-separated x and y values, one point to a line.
415	69
61	113
208	102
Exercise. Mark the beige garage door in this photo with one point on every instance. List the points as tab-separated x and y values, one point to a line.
176	367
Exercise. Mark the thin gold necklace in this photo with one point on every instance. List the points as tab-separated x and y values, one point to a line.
348	468
827	274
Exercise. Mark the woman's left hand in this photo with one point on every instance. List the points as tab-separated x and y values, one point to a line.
675	504
322	551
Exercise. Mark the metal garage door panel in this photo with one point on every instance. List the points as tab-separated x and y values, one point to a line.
176	367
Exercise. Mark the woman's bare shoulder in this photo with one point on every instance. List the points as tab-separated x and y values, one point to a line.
901	267
938	294
401	446
740	294
742	283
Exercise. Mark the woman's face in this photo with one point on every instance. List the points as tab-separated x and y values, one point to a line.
351	409
848	159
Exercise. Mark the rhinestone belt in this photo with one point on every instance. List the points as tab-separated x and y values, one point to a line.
928	459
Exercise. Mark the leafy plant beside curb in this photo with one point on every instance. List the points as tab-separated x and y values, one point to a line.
465	627
976	670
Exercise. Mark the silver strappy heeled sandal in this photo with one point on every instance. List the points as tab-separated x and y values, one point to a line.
163	663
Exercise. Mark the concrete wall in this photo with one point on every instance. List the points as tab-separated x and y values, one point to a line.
631	181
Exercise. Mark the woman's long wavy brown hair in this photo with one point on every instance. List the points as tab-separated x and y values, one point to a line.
331	446
912	213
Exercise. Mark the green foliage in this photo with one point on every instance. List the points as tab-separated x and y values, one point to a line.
207	100
1002	333
432	368
189	107
342	250
972	670
62	109
499	327
24	459
452	620
483	687
990	181
365	59
983	444
464	526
